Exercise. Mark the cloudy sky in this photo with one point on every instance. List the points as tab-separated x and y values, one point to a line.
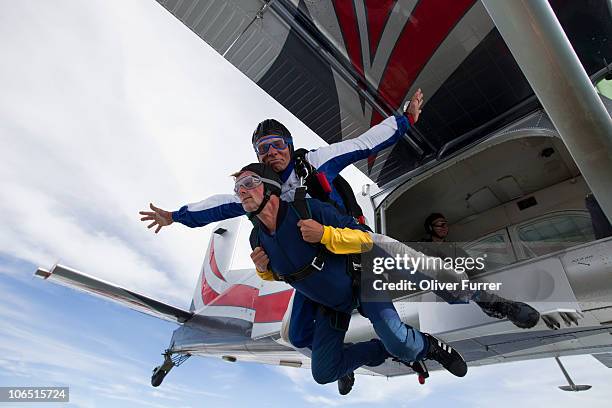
105	107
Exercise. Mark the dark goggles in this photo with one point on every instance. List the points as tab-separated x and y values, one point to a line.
263	145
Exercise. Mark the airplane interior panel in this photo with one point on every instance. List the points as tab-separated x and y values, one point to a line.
483	193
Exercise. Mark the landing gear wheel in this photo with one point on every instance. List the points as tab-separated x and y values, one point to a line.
158	376
160	372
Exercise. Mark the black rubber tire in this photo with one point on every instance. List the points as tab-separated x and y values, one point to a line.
158	377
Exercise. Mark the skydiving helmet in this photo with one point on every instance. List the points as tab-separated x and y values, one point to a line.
272	127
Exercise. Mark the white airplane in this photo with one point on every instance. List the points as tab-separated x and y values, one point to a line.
491	151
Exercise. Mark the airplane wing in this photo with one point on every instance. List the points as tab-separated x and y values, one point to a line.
341	66
78	280
604	358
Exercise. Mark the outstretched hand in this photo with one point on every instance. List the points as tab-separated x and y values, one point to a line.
413	107
160	217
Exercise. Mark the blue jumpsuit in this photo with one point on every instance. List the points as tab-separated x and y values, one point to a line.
331	287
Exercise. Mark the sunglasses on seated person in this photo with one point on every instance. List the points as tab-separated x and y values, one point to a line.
263	145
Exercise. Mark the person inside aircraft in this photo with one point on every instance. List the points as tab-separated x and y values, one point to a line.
436	244
436	228
306	245
319	169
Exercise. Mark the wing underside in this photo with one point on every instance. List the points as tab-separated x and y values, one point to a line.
342	66
77	280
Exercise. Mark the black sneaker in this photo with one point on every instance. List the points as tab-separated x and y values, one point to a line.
520	314
446	355
345	384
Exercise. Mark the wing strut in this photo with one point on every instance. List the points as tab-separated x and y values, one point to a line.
550	64
571	386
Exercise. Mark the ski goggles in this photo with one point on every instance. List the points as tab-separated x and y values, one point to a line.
263	145
251	182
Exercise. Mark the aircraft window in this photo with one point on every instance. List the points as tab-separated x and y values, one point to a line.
497	248
555	233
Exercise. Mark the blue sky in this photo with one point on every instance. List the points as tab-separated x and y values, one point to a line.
53	336
106	106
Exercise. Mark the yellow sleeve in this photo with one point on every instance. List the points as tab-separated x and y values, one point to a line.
265	275
346	240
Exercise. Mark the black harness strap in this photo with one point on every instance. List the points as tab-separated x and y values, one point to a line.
318	262
338	320
299	203
306	172
315	266
265	200
301	208
309	174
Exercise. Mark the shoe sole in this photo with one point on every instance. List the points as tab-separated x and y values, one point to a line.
534	318
458	369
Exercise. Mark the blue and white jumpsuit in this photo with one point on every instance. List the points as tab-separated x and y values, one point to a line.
329	160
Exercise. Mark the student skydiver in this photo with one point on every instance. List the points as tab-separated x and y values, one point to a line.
310	255
273	145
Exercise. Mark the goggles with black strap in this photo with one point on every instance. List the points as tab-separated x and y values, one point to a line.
277	142
252	181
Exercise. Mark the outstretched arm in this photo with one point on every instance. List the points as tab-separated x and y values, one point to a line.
216	208
335	157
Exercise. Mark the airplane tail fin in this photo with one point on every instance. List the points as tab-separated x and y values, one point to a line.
77	280
213	279
237	295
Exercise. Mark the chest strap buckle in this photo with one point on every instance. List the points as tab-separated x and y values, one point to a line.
318	262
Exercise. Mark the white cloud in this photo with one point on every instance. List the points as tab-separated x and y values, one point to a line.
106	106
122	106
36	350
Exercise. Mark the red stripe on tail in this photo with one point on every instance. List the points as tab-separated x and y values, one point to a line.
272	307
239	296
213	260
